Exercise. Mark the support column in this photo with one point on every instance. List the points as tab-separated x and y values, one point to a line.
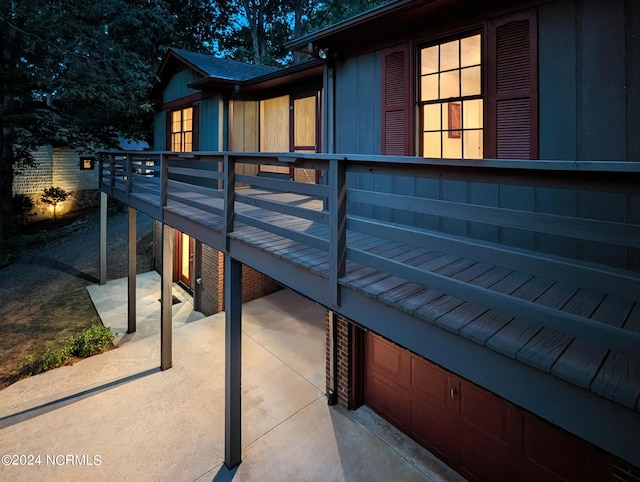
103	238
168	241
131	281
233	358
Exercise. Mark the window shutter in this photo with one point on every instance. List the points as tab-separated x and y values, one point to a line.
512	81
196	129
168	130
396	112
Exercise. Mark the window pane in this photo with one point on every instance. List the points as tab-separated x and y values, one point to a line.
431	146
471	81
472	113
450	84
432	117
430	87
451	146
175	117
429	60
450	55
473	144
470	51
188	142
175	142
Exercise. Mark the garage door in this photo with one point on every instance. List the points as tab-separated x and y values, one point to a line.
482	436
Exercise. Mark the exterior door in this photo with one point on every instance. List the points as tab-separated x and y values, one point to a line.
185	246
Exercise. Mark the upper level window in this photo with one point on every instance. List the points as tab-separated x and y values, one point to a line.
182	130
450	99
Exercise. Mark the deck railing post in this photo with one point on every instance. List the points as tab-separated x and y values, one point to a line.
229	167
233	360
166	298
131	272
101	159
129	173
112	181
337	225
164	179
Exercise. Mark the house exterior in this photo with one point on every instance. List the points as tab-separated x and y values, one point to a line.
203	103
510	136
473	80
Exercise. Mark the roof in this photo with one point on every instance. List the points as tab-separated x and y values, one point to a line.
225	74
361	19
224	69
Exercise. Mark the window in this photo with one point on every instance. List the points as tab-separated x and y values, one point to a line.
182	130
87	163
451	100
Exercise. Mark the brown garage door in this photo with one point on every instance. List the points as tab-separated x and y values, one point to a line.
481	435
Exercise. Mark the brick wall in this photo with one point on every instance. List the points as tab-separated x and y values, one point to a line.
67	173
344	361
210	292
33	180
256	285
54	167
59	168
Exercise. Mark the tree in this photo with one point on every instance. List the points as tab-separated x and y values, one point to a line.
74	74
54	196
256	30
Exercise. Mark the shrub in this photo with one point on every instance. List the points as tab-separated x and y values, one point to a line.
93	340
54	196
21	204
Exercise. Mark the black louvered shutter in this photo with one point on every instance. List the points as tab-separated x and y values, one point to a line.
396	117
195	146
512	88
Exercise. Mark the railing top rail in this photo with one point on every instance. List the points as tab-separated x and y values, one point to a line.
515	164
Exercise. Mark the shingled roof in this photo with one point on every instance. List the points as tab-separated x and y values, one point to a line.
223	69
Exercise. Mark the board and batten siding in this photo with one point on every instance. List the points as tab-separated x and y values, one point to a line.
589	67
576	121
160	131
212	132
177	86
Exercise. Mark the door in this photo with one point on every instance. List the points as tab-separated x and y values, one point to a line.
304	133
185	246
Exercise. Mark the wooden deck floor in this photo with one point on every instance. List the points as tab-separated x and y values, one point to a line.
612	375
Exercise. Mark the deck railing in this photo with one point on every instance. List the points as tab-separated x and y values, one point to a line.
572	222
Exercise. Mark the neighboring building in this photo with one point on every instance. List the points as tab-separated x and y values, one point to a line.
64	168
458	80
73	171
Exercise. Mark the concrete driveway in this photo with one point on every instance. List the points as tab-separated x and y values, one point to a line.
116	416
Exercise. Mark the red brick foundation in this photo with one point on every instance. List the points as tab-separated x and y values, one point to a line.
346	387
210	292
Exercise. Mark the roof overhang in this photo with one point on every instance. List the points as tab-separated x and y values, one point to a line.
399	21
304	73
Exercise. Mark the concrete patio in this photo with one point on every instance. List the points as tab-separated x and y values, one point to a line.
116	416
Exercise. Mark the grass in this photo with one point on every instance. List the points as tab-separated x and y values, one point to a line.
93	340
46	328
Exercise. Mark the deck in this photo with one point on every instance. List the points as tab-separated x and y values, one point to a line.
485	298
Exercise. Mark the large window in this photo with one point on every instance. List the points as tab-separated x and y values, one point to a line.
182	130
451	100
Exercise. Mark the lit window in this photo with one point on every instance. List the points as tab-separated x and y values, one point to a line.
451	99
182	130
